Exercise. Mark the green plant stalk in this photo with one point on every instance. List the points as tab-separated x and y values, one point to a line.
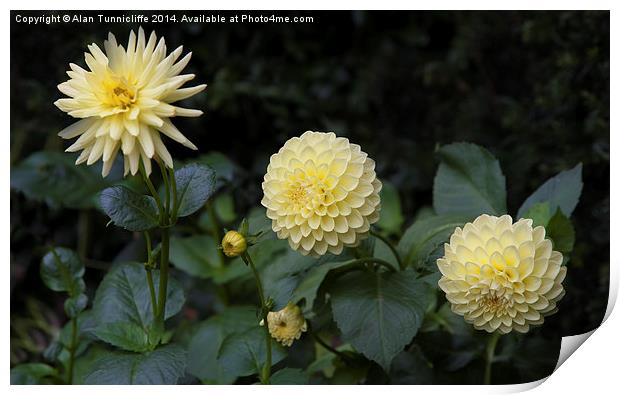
489	353
149	280
163	275
72	348
360	264
149	272
384	239
164	176
266	371
164	224
326	346
175	199
151	188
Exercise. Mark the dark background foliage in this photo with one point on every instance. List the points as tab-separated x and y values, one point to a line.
532	87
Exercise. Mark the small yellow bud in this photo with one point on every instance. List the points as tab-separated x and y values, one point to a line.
233	244
287	324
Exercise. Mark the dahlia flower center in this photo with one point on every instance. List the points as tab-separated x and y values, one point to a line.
306	191
298	193
494	303
120	93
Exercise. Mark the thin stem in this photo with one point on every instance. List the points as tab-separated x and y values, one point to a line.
175	199
164	176
72	348
147	239
153	192
266	372
165	249
149	280
392	248
360	262
326	346
490	351
149	272
163	274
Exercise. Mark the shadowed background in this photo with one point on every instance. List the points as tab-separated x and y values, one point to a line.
532	87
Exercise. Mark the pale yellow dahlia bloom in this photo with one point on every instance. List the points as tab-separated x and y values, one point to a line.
124	102
501	276
287	324
321	193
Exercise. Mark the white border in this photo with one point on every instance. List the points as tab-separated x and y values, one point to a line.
594	366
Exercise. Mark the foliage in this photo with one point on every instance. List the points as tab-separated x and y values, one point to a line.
385	325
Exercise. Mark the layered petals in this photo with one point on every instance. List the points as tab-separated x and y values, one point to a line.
123	101
321	193
501	276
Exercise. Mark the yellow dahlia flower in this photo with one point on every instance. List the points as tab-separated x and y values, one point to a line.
124	102
501	276
321	193
233	244
287	324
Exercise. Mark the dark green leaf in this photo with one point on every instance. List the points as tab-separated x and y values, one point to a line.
86	325
204	347
243	354
164	365
382	251
283	274
469	181
195	185
309	285
128	209
445	319
196	255
62	270
411	367
561	191
75	305
224	168
391	213
53	177
539	213
258	221
289	376
561	231
379	313
123	296
224	205
421	238
31	373
126	335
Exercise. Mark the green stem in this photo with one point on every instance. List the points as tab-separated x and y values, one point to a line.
490	351
149	271
384	239
72	348
163	275
266	372
164	176
153	192
175	199
360	264
149	280
326	346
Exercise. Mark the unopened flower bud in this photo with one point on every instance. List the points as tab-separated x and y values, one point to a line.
233	244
